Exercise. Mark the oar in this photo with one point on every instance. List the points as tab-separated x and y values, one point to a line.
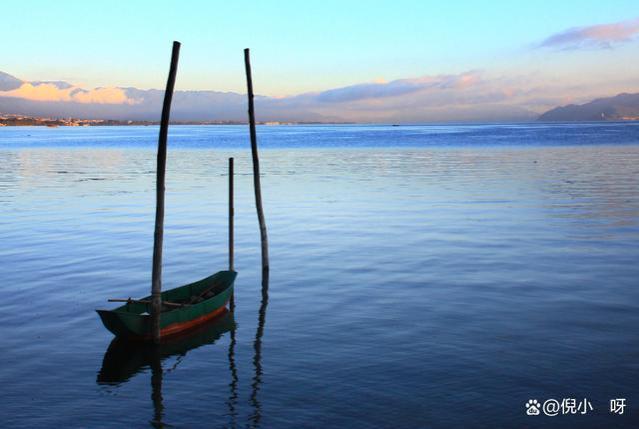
146	301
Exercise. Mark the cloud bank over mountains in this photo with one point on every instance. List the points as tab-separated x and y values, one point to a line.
468	96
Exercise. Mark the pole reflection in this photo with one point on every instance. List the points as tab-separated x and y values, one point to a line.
232	400
156	388
256	417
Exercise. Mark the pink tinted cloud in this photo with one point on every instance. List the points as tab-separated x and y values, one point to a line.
595	36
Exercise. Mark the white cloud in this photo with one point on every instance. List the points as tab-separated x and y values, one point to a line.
53	92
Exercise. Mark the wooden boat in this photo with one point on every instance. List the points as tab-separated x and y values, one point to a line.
184	308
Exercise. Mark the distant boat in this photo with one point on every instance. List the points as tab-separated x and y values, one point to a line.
183	308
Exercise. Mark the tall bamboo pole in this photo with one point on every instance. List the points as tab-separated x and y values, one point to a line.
256	163
156	278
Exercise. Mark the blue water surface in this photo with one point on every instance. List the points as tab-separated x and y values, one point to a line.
329	136
421	276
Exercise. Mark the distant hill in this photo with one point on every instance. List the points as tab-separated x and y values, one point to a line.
618	108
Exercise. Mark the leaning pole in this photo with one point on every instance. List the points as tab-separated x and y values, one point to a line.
256	164
156	277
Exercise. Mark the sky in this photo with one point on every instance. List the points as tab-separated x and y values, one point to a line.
374	60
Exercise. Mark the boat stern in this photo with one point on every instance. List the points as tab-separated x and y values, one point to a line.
123	324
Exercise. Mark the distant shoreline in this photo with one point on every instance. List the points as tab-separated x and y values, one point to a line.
30	121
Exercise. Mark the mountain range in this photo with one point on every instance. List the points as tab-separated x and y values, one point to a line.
58	99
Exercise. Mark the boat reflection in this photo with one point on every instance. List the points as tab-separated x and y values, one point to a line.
124	359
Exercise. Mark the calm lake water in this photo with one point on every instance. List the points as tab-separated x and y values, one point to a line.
421	277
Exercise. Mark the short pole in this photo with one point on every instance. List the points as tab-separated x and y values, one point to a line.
231	214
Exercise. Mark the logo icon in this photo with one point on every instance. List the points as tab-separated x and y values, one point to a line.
532	407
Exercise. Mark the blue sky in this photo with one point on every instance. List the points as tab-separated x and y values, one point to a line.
296	46
311	46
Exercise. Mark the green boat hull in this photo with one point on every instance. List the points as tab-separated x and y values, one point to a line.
133	321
